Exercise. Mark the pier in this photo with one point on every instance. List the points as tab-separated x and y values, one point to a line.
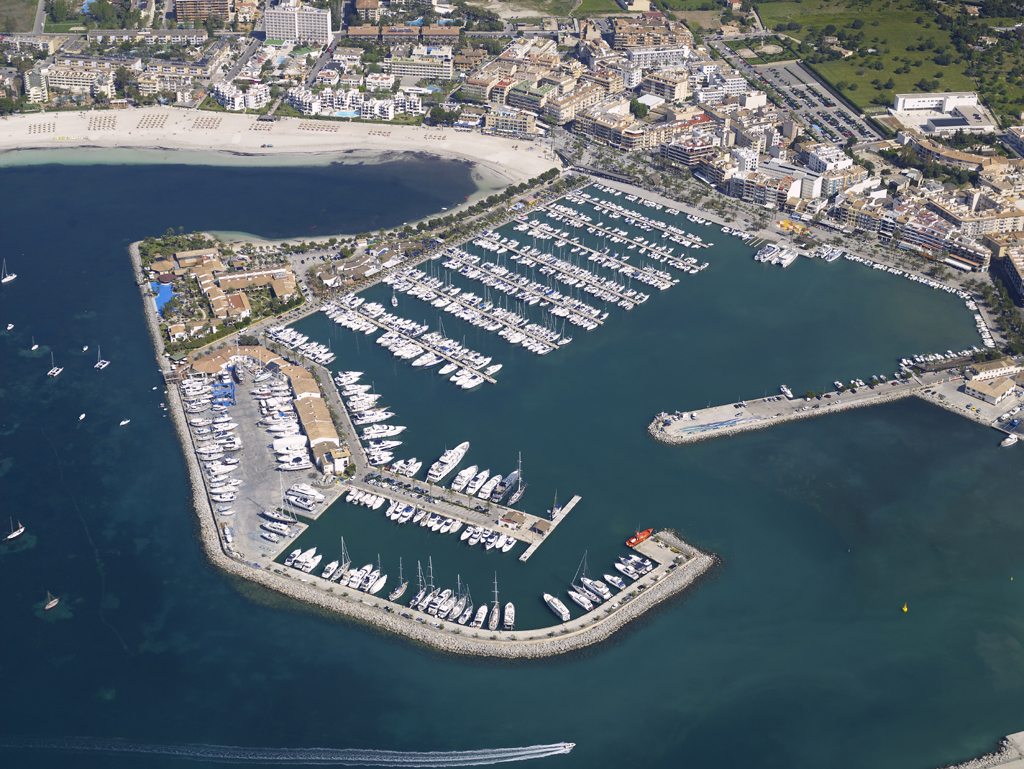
430	347
556	519
939	388
563	303
475	308
579	274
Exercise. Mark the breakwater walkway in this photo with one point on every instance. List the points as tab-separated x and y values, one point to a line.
939	388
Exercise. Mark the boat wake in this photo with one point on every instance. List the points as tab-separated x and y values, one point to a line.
311	756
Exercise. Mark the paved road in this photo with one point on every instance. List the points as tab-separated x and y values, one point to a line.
37	28
242	60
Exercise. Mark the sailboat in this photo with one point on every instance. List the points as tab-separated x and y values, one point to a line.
403	583
7	276
100	363
422	590
521	488
15	532
492	620
394	299
55	370
34	345
51	600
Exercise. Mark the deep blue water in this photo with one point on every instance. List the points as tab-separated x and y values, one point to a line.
794	653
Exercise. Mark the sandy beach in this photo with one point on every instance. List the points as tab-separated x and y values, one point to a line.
237	138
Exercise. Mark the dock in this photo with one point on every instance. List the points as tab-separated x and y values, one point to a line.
457	255
493	318
430	347
553	523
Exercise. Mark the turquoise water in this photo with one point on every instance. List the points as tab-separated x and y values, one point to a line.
795	651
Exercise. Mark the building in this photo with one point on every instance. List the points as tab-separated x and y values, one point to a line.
525	96
563	109
425	62
992	391
440	34
825	157
506	120
368	10
992	369
935	102
109	63
80	81
405	35
746	158
291	22
658	56
670	86
689	152
648	32
201	10
148	36
366	34
35	86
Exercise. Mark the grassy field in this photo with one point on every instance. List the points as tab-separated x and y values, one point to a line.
17	15
64	26
905	41
597	8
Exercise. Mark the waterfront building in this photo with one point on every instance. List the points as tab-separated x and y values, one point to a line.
524	96
993	391
34	83
689	152
507	120
80	81
992	369
110	63
298	24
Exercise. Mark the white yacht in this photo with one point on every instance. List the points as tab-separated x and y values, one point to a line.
477	482
443	466
557	607
463	478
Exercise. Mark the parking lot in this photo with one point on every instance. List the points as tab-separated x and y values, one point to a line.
825	117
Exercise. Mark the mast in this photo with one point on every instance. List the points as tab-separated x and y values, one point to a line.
419	570
430	573
345	560
496	590
401	577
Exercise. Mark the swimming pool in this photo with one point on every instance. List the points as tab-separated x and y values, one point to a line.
163	295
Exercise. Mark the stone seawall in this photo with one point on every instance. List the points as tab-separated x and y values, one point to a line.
661	436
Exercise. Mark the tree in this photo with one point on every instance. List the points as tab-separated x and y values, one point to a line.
638	109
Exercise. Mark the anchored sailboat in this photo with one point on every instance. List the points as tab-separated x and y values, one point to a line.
7	276
51	600
100	363
15	532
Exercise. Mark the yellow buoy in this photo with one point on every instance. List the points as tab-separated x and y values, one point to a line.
904	607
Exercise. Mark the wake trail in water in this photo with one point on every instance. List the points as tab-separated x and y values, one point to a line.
310	756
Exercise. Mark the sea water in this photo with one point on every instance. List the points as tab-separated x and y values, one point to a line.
794	652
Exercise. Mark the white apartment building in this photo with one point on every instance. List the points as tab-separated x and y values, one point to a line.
825	157
291	22
746	158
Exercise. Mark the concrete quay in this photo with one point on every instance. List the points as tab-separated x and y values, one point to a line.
556	518
938	388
